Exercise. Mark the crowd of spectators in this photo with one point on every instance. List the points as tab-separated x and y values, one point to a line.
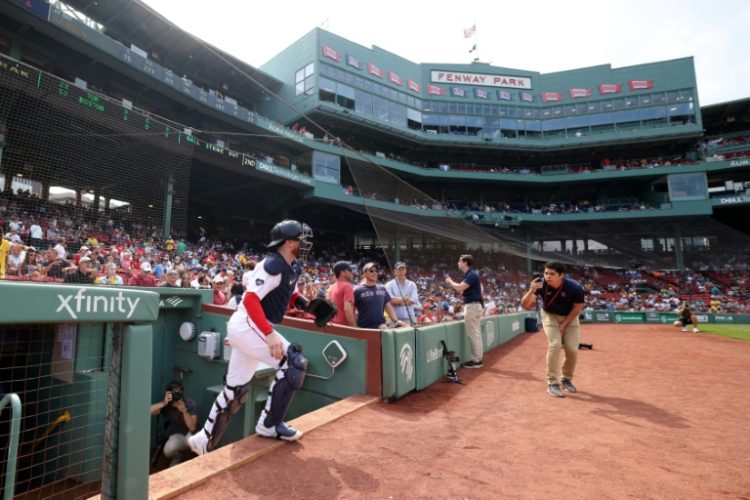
63	244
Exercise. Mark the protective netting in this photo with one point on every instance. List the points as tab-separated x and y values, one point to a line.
59	373
411	224
80	163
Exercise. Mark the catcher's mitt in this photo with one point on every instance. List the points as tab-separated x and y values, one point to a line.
323	310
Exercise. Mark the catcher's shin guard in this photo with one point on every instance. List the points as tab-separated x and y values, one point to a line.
288	379
227	404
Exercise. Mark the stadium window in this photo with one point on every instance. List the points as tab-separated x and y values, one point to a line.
413	119
345	96
673	96
686	95
659	98
363	102
646	100
618	103
327	90
304	80
380	108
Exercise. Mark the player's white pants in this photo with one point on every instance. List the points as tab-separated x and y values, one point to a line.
249	349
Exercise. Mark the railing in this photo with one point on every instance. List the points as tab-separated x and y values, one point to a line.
15	428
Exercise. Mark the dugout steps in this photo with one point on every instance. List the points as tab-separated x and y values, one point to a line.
185	476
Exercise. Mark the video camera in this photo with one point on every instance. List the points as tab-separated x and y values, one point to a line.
176	395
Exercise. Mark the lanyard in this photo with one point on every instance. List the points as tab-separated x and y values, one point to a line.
545	305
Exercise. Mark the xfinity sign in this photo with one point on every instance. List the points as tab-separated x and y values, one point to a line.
81	302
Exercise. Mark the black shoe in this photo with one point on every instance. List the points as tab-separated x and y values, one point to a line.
555	390
568	385
473	364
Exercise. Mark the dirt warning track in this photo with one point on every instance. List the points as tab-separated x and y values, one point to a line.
660	414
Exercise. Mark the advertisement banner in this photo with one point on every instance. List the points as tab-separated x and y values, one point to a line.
628	317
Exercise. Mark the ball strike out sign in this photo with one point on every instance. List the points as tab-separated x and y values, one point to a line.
454	77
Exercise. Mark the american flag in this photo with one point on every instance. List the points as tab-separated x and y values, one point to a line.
469	32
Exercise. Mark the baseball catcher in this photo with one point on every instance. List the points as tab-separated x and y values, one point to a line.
250	331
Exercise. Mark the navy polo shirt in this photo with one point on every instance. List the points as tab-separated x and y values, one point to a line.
474	292
561	300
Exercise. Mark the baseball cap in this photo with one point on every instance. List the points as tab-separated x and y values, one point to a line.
427	305
84	247
341	266
218	279
399	264
84	259
146	267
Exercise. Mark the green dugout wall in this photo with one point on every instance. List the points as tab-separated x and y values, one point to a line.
413	357
79	358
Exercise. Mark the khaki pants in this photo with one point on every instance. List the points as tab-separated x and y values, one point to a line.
556	340
173	448
472	315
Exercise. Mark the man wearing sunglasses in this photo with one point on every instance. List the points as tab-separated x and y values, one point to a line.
372	300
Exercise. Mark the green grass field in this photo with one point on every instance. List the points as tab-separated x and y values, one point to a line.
735	331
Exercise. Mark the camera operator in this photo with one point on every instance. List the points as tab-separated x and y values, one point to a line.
181	420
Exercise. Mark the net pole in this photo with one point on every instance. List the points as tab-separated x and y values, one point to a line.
111	425
15	431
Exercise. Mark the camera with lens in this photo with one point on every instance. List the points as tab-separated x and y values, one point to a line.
176	395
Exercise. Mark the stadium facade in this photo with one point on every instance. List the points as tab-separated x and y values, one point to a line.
600	160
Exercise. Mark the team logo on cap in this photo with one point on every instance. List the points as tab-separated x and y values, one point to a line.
259	282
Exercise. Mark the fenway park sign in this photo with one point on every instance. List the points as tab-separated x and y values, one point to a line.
516	82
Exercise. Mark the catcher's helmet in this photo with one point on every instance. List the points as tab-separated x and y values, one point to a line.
292	230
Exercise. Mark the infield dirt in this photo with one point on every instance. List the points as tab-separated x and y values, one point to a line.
659	414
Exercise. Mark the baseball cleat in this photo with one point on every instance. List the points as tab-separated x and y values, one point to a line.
198	443
280	431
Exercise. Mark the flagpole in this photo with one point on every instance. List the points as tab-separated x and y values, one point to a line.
476	41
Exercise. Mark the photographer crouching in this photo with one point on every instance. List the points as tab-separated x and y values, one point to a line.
181	420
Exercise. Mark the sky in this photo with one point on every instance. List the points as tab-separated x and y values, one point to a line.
533	35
